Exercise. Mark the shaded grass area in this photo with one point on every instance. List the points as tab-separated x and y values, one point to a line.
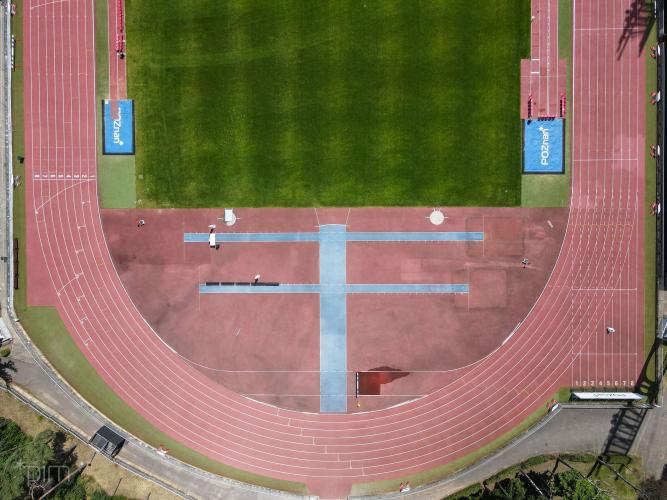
115	174
330	103
650	282
549	190
457	465
649	382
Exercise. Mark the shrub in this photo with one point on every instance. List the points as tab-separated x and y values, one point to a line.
538	460
475	491
578	457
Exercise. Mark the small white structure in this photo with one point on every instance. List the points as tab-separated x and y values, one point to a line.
230	217
437	217
5	334
607	396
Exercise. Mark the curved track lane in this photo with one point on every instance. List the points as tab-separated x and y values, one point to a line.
598	280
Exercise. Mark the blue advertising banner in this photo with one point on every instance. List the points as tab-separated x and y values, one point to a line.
543	146
118	128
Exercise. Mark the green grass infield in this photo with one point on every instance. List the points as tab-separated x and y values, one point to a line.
327	103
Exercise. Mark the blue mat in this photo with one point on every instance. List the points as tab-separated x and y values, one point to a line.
543	146
118	127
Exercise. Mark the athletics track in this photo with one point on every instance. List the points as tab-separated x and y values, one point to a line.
598	280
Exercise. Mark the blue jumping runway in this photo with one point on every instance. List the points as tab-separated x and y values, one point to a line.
543	146
328	235
333	290
118	127
333	320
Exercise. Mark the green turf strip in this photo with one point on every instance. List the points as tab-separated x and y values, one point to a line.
649	383
116	174
302	103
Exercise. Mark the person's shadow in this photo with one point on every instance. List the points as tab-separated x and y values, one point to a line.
6	366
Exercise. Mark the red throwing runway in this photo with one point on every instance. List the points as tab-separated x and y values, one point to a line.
597	281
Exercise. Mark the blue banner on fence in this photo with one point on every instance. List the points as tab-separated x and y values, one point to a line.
543	146
118	127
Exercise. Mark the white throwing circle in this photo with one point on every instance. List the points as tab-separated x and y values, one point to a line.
436	217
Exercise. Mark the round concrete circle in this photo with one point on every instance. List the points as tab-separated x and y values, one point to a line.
436	217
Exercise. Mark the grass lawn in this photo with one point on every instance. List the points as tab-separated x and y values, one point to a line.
327	103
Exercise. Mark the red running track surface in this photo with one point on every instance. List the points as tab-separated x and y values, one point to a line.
543	76
117	66
598	279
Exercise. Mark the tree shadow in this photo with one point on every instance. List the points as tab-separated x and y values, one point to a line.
62	455
639	20
6	366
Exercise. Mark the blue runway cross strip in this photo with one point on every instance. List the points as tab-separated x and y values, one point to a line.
118	127
543	146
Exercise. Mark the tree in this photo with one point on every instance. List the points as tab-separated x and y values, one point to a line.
11	437
571	485
24	465
74	491
509	489
7	366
